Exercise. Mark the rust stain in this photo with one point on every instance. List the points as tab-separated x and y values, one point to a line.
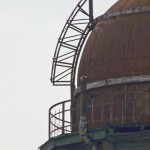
118	47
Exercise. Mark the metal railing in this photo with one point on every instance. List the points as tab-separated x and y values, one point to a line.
131	107
59	118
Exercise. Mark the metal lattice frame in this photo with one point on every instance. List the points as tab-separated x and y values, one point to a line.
69	46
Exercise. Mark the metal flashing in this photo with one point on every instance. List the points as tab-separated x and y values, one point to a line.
114	81
130	11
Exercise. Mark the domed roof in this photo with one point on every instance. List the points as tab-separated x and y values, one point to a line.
119	45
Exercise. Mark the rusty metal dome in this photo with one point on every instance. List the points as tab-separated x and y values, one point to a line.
116	61
119	44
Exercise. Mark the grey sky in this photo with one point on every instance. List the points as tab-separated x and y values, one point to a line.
29	30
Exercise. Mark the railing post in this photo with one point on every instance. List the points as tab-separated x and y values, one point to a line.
49	129
63	117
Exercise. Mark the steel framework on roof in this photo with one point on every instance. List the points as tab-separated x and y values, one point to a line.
70	43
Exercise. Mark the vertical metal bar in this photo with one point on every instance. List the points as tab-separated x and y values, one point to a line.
91	20
55	123
49	128
63	117
59	122
83	108
72	88
72	111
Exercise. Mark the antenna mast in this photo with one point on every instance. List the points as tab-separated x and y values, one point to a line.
91	20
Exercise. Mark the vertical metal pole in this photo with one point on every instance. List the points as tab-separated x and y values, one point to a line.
49	127
72	88
83	119
63	117
55	120
91	20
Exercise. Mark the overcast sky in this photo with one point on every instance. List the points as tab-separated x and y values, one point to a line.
29	30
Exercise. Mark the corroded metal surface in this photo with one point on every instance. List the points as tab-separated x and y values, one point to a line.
119	105
119	48
126	4
129	11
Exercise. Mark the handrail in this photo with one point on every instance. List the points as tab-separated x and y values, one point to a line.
58	123
69	46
